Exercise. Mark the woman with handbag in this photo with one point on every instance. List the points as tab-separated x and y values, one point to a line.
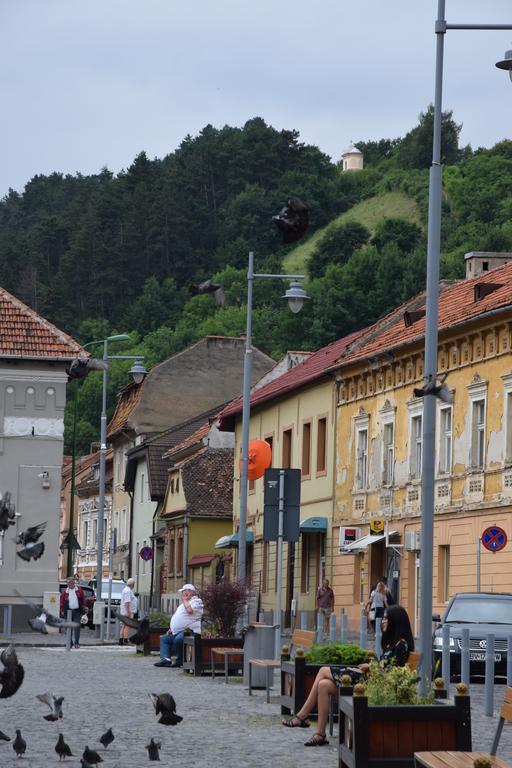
376	604
73	599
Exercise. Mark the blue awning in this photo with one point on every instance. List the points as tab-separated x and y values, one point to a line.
314	525
231	541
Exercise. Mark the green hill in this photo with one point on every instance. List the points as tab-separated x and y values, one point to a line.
368	212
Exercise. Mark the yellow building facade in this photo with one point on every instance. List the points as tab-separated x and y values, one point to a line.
379	449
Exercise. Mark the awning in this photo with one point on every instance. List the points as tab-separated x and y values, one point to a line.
201	560
314	525
370	538
232	540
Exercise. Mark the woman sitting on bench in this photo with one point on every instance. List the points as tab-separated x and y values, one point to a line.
397	643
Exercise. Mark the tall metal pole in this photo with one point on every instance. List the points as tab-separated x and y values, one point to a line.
101	500
246	416
430	370
280	534
69	567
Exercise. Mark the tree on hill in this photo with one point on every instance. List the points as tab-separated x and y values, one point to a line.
404	234
336	246
415	149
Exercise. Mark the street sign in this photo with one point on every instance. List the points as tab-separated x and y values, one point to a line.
291	504
494	538
146	553
376	526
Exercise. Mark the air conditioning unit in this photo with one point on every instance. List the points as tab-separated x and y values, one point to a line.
412	541
348	534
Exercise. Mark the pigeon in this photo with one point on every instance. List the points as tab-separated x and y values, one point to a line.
85	764
143	627
43	618
81	367
19	744
55	704
91	756
165	706
31	535
107	738
62	749
153	748
7	512
292	221
11	677
4	736
208	286
33	551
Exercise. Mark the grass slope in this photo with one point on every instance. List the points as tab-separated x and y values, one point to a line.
368	212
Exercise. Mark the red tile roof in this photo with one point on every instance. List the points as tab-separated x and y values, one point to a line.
25	334
304	373
190	441
127	399
457	306
201	560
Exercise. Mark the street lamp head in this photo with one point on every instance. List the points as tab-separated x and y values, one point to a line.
119	337
138	371
506	63
296	296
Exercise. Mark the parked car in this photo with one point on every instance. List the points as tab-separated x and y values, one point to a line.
117	587
482	613
89	599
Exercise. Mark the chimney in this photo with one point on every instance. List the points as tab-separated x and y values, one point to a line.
480	262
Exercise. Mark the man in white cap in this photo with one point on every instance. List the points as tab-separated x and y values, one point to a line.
186	616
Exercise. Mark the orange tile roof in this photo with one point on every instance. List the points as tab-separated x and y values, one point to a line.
457	306
194	438
127	399
25	334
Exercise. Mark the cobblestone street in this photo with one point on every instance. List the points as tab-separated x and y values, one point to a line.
222	725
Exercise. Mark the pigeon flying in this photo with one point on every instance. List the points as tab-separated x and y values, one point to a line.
153	748
91	756
292	221
55	704
4	737
31	551
11	677
43	618
143	627
107	738
19	744
31	535
208	286
7	512
62	749
165	706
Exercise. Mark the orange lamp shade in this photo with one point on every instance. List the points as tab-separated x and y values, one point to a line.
260	457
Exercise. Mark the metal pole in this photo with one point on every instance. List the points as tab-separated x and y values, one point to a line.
489	677
430	372
478	563
378	637
344	628
464	660
445	658
332	628
246	417
68	631
363	630
101	500
112	548
280	532
69	567
303	620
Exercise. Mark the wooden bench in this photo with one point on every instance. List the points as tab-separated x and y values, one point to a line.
301	638
453	760
226	653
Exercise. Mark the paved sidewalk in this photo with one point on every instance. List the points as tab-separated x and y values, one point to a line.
222	726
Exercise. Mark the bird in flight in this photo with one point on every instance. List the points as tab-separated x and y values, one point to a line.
32	548
55	704
165	706
11	677
292	220
44	618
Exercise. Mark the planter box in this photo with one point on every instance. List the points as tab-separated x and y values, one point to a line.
197	657
297	679
388	736
153	642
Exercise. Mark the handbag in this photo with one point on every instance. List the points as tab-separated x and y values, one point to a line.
84	619
371	614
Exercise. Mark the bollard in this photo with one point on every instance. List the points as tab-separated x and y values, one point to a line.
117	630
378	637
7	628
344	628
489	676
464	657
303	620
363	630
445	655
509	660
332	628
68	632
261	617
319	628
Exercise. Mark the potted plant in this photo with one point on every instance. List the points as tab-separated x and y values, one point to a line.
386	721
159	624
224	605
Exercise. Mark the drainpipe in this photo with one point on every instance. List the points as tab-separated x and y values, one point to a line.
185	548
131	494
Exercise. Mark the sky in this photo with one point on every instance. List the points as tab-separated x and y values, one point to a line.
91	83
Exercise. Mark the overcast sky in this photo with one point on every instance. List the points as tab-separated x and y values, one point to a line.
91	83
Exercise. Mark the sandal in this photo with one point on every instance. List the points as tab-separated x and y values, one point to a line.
303	722
317	740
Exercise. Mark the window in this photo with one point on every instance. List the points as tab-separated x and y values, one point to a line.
104	531
94	532
321	445
270	440
306	449
85	539
122	537
179	558
116	522
416	446
445	437
142	487
304	564
443	576
388	455
362	458
508	433
478	434
264	567
171	555
287	449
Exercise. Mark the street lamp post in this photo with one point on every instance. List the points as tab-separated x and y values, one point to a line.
431	338
295	296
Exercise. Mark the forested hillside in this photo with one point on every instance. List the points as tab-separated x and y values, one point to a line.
98	254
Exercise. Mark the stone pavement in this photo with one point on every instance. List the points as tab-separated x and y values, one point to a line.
222	725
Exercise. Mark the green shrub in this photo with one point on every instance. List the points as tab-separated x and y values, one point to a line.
336	653
388	684
158	618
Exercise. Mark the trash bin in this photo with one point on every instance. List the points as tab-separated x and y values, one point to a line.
259	643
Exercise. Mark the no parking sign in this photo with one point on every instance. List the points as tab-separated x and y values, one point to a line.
494	538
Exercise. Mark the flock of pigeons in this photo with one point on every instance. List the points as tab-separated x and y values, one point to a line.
12	672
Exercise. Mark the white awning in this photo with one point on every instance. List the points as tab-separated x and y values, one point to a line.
364	541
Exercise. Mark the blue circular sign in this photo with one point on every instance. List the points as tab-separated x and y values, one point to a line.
146	553
494	538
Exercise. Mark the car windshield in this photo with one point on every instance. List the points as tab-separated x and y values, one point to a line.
480	611
117	588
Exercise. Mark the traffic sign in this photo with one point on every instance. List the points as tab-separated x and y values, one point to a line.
494	538
146	553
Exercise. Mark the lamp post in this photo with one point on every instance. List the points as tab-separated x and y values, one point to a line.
296	296
431	337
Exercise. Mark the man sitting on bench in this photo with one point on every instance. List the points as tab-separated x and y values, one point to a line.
186	616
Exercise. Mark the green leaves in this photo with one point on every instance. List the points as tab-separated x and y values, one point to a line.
349	654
